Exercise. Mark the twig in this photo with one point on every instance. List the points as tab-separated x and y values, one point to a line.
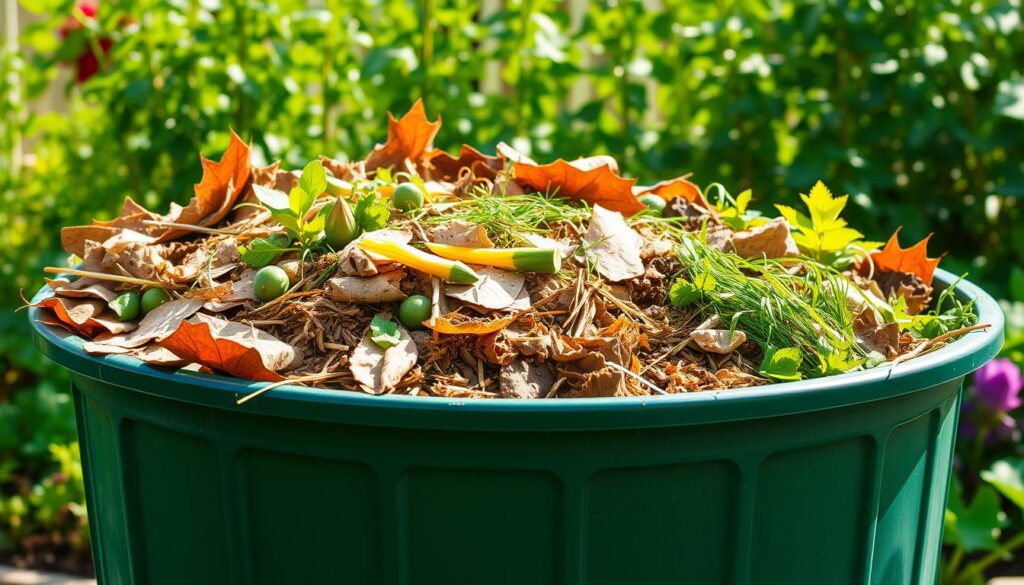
192	228
636	377
932	343
296	380
111	277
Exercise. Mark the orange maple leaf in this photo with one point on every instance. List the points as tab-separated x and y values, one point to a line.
597	186
913	260
445	167
672	188
216	193
408	139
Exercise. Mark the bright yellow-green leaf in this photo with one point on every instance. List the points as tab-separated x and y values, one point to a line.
794	217
743	200
823	207
839	238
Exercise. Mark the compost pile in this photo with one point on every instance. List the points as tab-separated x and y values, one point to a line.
414	271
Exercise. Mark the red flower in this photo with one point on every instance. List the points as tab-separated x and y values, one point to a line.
87	63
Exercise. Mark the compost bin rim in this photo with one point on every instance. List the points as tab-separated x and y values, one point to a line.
948	363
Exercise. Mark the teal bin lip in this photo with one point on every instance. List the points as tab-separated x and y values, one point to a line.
949	363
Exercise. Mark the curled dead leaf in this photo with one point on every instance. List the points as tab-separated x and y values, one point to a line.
233	348
84	316
597	186
445	167
378	370
459	324
383	288
408	139
872	335
771	240
460	233
678	187
615	246
720	341
154	326
496	289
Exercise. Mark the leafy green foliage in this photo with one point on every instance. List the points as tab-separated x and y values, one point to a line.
262	251
371	212
1007	476
292	210
939	319
976	525
734	211
821	234
782	364
384	332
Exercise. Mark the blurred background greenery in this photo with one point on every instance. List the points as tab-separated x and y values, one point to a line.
914	108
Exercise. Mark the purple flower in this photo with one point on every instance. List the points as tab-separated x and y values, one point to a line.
997	385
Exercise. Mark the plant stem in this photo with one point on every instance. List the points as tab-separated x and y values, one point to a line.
978	566
949	571
979	447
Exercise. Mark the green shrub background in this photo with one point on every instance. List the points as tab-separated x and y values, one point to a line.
916	109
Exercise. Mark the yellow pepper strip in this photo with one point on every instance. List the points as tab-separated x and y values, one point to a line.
547	260
336	186
452	271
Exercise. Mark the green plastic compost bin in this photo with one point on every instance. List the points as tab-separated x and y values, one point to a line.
835	480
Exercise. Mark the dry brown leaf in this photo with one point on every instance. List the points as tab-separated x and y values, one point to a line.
233	348
154	326
771	240
459	324
379	370
678	187
84	316
597	186
383	288
215	194
408	139
614	245
496	289
460	233
874	336
525	379
445	167
83	288
721	341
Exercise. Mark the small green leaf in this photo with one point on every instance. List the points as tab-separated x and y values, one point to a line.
794	217
1007	476
743	201
314	226
299	201
371	212
384	332
313	180
705	282
262	251
975	526
288	220
270	198
683	293
781	364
